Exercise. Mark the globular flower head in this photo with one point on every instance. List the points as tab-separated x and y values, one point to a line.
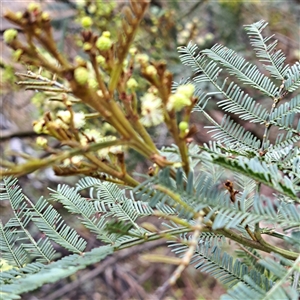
152	113
187	90
80	3
132	51
132	84
79	61
101	60
151	70
178	102
19	15
92	8
181	98
39	126
209	36
65	116
87	46
183	126
93	84
86	22
41	141
142	58
75	160
9	35
90	135
45	16
79	120
106	34
81	75
104	42
33	6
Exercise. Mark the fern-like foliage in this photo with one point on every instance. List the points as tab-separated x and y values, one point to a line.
212	260
207	65
245	211
266	52
17	281
279	290
222	190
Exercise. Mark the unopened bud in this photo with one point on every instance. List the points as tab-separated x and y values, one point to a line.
183	126
9	35
81	75
151	70
86	22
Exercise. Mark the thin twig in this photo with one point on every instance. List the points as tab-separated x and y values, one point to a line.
185	261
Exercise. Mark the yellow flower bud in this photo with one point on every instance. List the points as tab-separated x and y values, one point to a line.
132	84
81	75
45	16
33	6
41	141
183	126
186	90
9	35
86	22
151	70
103	43
100	60
142	58
132	51
106	34
87	46
19	15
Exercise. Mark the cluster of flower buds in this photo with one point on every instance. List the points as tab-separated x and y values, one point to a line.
182	97
34	17
191	31
100	11
60	125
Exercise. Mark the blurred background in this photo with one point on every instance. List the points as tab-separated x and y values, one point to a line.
167	25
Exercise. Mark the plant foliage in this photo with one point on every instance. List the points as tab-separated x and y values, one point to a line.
208	195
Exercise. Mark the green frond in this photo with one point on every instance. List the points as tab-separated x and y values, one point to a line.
286	123
287	157
265	51
222	266
279	290
244	71
234	98
12	252
85	208
246	187
10	275
211	239
158	199
54	272
285	109
49	221
243	105
284	141
41	250
87	182
286	114
250	257
246	211
120	206
256	169
234	135
206	71
292	81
